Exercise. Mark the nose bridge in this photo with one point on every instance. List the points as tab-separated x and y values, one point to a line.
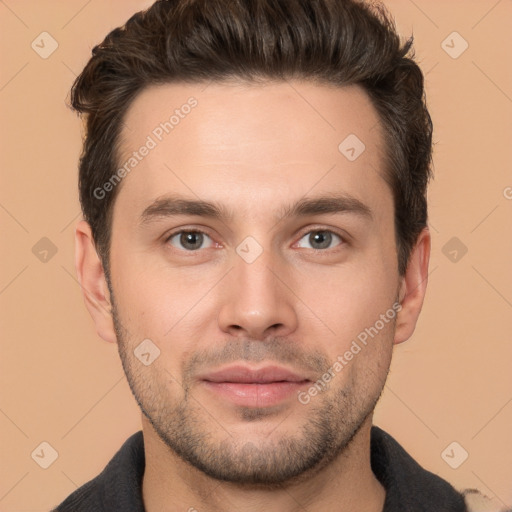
257	278
256	300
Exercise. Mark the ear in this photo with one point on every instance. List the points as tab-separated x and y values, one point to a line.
93	282
413	287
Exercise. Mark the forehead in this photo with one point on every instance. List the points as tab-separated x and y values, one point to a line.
268	140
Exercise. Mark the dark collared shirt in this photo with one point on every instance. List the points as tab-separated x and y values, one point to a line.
409	487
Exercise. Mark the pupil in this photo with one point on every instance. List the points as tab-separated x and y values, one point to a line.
322	238
191	240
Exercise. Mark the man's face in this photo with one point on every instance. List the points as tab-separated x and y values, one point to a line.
258	287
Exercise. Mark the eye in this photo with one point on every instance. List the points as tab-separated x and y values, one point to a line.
189	240
320	239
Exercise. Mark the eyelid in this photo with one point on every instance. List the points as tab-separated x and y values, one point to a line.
184	230
177	231
313	229
310	229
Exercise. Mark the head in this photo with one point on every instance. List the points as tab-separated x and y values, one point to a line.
266	120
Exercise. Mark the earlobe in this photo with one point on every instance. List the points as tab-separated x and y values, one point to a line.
413	288
92	280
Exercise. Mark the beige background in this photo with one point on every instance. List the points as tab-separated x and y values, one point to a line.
62	384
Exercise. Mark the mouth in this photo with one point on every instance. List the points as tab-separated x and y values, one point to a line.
249	387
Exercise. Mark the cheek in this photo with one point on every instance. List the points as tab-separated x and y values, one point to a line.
157	301
351	297
139	300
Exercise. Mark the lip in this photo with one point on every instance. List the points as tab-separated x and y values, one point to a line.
247	375
262	387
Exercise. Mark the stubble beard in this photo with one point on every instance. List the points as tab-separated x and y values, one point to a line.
334	418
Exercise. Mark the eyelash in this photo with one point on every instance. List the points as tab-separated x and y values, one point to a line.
315	230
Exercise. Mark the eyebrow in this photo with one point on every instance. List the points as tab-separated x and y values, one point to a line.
172	205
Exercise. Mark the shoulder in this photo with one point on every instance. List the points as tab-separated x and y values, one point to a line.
117	487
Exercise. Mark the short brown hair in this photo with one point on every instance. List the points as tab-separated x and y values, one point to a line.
340	42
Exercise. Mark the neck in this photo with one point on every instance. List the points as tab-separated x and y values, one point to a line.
346	483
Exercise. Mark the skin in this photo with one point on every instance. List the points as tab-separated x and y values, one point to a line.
299	304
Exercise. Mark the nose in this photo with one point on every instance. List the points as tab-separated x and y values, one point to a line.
258	299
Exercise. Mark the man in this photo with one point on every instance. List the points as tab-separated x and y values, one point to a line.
253	183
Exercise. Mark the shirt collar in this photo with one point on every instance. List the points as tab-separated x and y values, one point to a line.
408	486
